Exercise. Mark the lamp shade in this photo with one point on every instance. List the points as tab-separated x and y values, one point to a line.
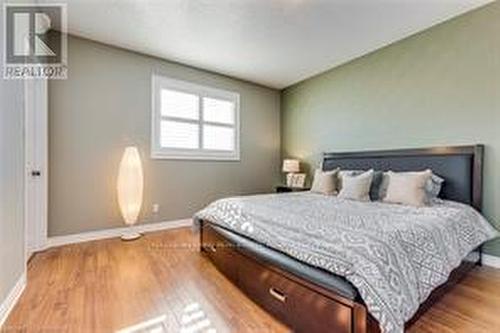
291	165
130	185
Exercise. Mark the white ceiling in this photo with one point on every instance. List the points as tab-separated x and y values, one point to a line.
272	42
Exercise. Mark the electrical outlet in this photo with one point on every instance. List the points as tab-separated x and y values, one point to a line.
156	208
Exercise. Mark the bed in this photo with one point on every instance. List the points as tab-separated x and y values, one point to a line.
311	288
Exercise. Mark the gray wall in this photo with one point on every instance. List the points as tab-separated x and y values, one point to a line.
105	105
440	87
11	180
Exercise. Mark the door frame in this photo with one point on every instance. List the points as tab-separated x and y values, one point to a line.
36	158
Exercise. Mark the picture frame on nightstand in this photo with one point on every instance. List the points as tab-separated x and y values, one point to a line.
298	180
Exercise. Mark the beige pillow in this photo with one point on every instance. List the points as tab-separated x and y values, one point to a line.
325	182
408	188
356	187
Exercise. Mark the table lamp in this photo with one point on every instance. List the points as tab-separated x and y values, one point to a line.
290	166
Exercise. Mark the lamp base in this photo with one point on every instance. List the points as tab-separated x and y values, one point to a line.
130	236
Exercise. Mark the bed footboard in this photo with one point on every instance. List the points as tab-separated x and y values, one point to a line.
298	303
302	306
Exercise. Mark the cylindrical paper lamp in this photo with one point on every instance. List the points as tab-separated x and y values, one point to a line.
130	188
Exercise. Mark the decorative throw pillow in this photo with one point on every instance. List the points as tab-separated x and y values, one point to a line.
374	187
356	187
325	182
408	188
382	191
344	173
432	186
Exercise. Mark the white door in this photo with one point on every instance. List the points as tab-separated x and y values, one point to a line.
36	141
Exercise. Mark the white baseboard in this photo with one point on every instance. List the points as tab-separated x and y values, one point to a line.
115	232
492	261
8	304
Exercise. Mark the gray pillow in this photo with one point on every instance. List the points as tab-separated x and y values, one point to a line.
433	186
376	183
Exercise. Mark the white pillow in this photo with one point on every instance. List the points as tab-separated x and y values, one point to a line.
325	182
408	188
432	187
356	187
344	173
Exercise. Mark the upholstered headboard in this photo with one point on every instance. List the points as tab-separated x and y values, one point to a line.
461	167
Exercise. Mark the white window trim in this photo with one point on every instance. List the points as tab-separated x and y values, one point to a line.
159	81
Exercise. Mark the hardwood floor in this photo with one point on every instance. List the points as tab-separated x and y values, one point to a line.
161	283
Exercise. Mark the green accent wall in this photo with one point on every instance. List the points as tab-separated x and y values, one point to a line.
439	87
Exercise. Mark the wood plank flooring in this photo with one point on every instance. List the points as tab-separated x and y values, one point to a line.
161	283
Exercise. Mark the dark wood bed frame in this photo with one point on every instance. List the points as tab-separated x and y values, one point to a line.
305	306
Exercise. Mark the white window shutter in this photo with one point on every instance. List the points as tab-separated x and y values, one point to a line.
194	122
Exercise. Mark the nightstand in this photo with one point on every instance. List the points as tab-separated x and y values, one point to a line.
283	189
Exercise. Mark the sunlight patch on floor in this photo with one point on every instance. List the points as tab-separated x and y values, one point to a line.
155	325
193	320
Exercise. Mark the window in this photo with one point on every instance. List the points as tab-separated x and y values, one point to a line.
191	121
